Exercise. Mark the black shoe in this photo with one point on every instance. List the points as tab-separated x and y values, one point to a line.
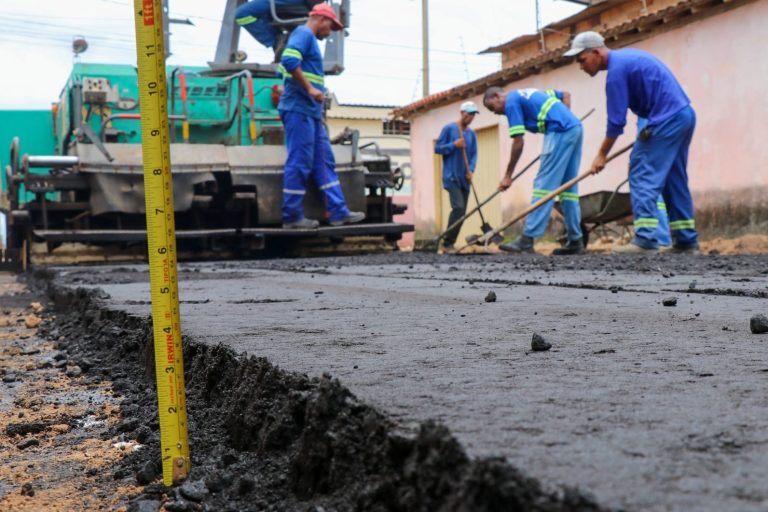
302	223
572	247
523	244
351	218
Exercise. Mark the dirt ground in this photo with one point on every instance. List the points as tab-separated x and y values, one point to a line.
54	418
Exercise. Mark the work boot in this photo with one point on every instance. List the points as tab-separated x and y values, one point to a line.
522	244
351	218
302	223
572	247
633	249
685	249
449	249
472	239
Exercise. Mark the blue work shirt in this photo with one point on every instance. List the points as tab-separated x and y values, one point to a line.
454	168
640	82
302	50
538	112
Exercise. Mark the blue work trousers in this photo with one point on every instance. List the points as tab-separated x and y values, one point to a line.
658	165
560	160
309	154
663	237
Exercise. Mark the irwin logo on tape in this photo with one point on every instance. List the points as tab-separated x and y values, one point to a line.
149	13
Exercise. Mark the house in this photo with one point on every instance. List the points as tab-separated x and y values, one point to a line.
379	132
716	48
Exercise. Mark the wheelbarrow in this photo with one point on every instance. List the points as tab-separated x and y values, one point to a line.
600	208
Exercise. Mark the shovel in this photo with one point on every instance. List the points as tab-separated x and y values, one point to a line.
434	242
486	238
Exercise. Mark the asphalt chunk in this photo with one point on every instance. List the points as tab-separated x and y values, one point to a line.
670	301
491	297
539	344
758	324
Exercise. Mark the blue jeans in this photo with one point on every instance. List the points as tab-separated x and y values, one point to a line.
309	155
459	197
560	160
659	166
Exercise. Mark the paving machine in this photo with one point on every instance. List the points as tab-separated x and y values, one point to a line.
74	173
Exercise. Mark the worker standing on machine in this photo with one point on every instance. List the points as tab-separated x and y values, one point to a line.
456	140
640	82
301	110
546	112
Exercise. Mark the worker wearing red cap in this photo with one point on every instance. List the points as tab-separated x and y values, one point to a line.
301	110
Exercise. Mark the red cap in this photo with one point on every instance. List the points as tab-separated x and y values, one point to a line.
327	11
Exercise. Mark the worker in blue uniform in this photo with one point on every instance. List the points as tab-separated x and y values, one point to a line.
301	110
456	140
640	82
255	17
546	112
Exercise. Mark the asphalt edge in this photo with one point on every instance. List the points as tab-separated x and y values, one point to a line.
280	440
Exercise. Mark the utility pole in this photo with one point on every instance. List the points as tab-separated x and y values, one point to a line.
425	45
539	28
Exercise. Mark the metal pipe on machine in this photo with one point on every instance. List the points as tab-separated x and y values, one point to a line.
51	161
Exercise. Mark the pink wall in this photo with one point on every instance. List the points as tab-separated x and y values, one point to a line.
721	63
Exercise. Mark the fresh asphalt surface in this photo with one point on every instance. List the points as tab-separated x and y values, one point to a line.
647	407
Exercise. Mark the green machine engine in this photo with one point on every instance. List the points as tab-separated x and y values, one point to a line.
74	173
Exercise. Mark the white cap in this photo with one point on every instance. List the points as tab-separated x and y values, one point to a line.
585	41
469	107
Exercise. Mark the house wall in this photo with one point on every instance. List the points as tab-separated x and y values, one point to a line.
720	64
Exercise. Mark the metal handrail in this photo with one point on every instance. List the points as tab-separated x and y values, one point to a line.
273	12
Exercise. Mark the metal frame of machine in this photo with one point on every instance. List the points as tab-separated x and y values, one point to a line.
227	157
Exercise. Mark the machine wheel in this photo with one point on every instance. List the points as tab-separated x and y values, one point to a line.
398	178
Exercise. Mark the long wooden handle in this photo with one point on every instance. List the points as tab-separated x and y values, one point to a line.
541	202
497	191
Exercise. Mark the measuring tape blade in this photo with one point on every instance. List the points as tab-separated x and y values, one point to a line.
161	240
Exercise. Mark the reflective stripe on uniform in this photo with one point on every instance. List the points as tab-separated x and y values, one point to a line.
646	222
330	185
545	108
683	224
569	196
540	192
294	192
661	206
552	93
315	79
516	130
311	77
291	52
246	20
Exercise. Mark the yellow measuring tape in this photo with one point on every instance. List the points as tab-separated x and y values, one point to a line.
161	238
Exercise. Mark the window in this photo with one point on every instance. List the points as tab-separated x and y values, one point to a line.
397	127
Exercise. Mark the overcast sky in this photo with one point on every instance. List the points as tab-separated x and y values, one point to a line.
383	61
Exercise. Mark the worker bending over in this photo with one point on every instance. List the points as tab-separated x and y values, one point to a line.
658	165
457	141
546	112
301	110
